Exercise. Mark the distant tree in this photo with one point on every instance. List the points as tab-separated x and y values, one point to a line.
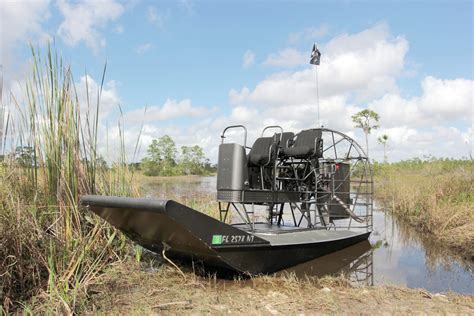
192	160
136	166
366	120
161	149
101	163
25	156
161	158
186	164
208	167
383	140
150	167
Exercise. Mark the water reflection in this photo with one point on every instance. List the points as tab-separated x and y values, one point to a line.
404	257
395	253
354	262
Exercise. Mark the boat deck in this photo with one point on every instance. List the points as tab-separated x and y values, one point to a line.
290	235
307	237
266	227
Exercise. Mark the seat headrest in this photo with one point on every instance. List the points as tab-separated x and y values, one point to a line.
307	137
260	153
285	138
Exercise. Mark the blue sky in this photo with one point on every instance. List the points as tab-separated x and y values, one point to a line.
200	65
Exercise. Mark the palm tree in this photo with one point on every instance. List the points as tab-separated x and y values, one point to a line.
383	140
366	120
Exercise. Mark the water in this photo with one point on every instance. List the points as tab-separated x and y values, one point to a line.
395	254
406	258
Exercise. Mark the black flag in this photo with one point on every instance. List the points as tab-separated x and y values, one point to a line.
315	56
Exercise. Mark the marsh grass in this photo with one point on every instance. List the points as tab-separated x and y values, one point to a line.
50	249
436	197
204	202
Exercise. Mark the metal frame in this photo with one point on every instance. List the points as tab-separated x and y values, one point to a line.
314	179
233	127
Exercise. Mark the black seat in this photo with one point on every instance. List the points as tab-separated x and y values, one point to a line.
262	152
285	139
307	144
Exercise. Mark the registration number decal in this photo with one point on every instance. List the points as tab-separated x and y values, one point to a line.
232	239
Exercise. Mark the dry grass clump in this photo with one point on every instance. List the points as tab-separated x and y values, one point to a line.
436	197
203	202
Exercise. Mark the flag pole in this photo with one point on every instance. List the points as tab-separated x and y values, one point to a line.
315	60
317	96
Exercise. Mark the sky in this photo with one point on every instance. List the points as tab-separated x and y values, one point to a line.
199	66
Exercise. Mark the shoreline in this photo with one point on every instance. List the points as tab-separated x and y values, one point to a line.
144	290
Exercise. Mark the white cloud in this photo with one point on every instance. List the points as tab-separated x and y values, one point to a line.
187	5
201	133
171	109
152	14
84	20
358	71
449	99
309	34
143	48
408	142
441	102
288	57
21	22
244	114
248	59
366	69
119	29
397	135
468	136
87	89
157	18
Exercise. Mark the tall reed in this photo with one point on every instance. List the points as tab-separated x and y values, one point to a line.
51	249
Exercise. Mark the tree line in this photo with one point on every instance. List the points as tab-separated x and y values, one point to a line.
163	159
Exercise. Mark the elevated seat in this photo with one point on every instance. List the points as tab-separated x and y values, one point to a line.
307	144
262	152
285	140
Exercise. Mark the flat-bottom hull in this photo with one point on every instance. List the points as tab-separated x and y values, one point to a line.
188	234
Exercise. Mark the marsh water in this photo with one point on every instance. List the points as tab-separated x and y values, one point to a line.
394	255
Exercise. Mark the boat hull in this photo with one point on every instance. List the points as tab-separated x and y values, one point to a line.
187	234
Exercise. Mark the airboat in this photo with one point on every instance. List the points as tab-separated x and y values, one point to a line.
286	200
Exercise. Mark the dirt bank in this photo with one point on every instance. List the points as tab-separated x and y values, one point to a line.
127	288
